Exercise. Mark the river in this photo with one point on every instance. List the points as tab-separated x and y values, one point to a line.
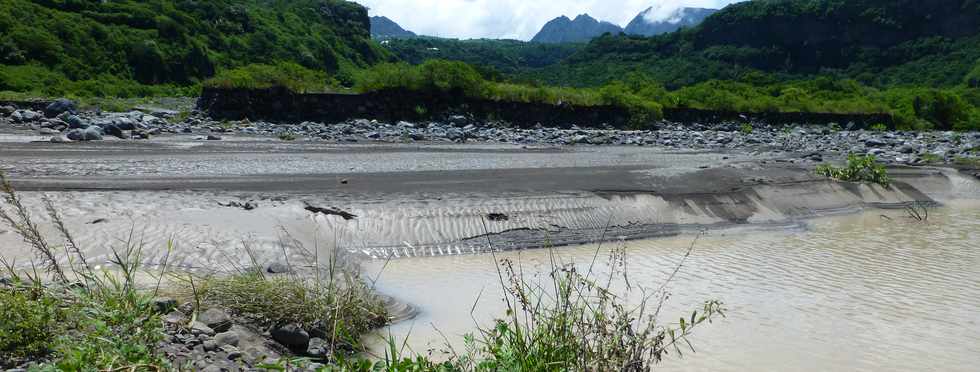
849	293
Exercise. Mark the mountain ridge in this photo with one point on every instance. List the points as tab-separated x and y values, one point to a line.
383	28
581	29
680	17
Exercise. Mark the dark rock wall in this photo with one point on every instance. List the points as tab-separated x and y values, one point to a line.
285	106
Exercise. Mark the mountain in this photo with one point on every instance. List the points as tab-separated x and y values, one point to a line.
383	28
876	42
582	29
127	47
644	25
490	55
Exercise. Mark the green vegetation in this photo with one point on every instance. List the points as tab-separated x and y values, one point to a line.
342	307
879	127
166	47
493	58
828	56
746	128
859	169
286	136
444	77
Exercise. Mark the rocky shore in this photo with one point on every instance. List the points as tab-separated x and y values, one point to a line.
63	123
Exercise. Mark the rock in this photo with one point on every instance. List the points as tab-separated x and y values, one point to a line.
58	107
175	318
233	352
908	149
7	110
874	142
216	319
226	338
277	268
60	138
164	305
92	133
292	336
317	347
76	134
48	132
25	116
212	137
75	122
114	130
200	328
210	345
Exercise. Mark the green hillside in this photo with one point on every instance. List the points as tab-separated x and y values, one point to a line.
126	47
507	57
877	42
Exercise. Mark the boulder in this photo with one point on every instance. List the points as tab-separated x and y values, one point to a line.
212	137
217	319
200	328
278	268
92	134
292	336
75	122
164	305
58	107
47	132
60	138
114	130
226	338
76	134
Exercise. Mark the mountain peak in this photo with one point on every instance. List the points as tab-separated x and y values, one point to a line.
383	28
661	20
582	29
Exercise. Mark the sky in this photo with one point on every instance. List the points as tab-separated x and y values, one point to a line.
513	19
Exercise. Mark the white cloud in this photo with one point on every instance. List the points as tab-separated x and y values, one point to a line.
514	19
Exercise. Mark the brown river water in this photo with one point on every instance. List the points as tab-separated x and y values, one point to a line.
848	293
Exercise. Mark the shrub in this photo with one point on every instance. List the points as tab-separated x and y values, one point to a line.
746	128
858	169
28	324
344	307
879	127
261	76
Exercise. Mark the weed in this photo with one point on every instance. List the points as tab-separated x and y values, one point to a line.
879	127
287	136
858	169
746	128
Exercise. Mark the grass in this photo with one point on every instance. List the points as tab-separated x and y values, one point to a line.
859	169
287	136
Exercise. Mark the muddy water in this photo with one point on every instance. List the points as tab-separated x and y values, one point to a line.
854	293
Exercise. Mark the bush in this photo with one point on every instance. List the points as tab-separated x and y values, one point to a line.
285	75
858	169
344	307
28	324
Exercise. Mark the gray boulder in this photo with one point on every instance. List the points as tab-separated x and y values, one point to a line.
217	319
92	134
114	130
76	134
48	132
277	268
199	328
58	107
75	122
226	338
60	138
292	336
